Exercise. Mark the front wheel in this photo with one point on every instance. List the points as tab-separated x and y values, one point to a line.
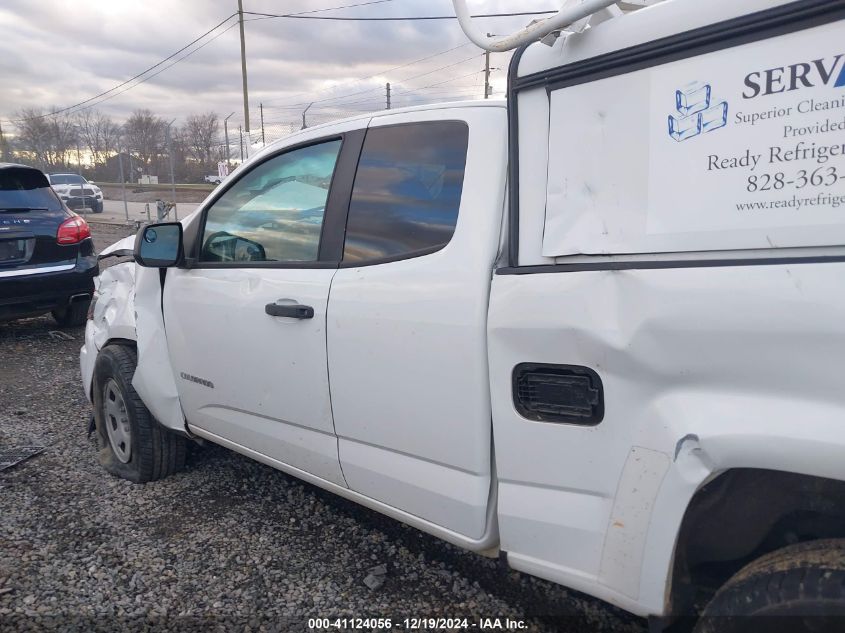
132	444
797	588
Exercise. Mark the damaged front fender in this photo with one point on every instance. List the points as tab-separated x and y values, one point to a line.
112	318
128	309
154	379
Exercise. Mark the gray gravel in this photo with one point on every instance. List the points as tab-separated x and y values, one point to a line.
228	544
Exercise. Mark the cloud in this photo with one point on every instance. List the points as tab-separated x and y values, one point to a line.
55	53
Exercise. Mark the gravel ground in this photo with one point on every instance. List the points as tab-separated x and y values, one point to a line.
227	544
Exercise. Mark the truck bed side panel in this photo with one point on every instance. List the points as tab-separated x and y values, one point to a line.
703	370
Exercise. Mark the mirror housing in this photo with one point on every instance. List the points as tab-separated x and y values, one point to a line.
159	245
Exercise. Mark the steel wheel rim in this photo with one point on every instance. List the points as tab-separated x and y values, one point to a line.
117	422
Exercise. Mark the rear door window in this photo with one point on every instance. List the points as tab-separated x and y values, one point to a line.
407	191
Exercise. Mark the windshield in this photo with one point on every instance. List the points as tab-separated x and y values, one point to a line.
67	179
26	189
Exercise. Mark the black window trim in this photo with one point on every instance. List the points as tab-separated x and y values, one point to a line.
420	252
334	219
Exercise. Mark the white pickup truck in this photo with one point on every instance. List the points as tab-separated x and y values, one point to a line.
599	331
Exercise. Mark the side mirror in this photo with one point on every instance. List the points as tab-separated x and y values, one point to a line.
159	245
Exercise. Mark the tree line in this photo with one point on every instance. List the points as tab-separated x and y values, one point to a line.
55	141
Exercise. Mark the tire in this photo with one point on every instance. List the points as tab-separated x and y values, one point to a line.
797	588
132	444
98	207
74	315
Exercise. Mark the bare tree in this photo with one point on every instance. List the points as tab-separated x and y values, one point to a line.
63	136
5	148
46	138
33	138
99	133
201	132
144	135
180	145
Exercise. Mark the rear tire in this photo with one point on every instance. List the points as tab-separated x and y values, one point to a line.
797	588
74	315
132	444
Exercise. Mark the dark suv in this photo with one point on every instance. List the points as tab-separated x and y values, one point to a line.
47	259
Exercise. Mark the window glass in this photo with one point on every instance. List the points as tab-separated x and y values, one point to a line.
407	190
67	179
24	188
275	211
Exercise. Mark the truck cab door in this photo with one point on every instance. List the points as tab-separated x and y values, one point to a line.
408	312
246	322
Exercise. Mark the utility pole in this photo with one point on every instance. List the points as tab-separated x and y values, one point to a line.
241	132
304	125
79	163
486	74
261	110
3	149
243	69
123	183
387	91
487	88
172	181
226	133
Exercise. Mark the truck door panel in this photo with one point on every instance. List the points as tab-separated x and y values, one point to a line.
249	369
407	338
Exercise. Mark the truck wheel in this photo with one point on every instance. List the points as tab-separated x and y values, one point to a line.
132	444
98	207
73	315
804	582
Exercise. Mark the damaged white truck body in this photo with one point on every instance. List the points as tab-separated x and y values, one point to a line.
599	331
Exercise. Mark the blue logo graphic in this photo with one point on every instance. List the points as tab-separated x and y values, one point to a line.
694	113
840	83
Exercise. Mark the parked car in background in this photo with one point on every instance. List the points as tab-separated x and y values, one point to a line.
213	178
76	192
47	260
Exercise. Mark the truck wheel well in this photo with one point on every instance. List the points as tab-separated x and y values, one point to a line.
742	515
111	341
121	341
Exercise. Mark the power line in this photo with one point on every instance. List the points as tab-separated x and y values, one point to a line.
378	74
302	13
411	18
169	57
409	91
445	81
368	90
145	79
131	79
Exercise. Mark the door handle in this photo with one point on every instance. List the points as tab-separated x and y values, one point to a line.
293	311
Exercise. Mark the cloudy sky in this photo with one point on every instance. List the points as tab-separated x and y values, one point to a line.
61	52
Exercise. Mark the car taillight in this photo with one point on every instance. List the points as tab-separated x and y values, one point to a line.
73	230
